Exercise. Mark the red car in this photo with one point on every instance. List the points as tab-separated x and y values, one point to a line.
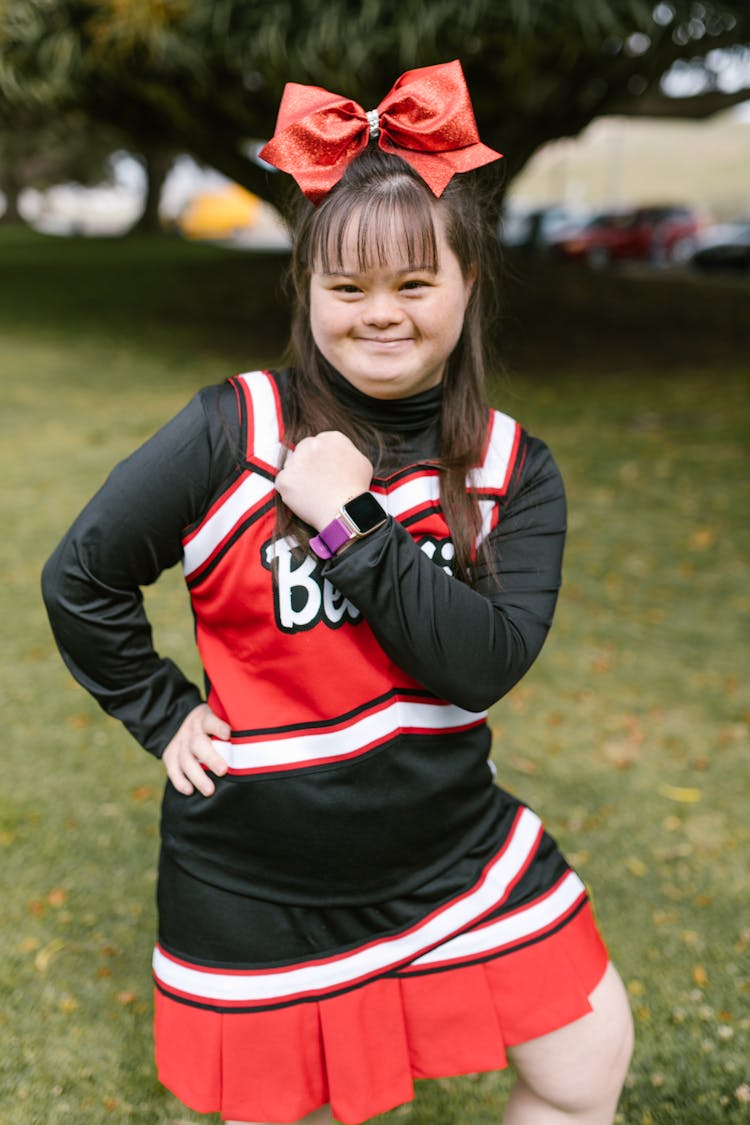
655	234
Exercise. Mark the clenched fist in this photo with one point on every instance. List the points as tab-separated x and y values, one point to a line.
321	474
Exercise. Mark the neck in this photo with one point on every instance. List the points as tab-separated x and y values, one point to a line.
398	415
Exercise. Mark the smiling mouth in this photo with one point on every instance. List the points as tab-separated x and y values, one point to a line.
384	342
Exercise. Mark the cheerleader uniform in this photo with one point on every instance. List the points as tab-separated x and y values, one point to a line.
359	904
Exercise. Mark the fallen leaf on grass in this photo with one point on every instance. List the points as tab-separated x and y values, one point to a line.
703	538
685	794
636	866
126	998
690	937
523	765
143	793
664	917
700	976
57	897
45	956
579	858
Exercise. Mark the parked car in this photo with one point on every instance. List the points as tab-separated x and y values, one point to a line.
724	247
656	234
535	228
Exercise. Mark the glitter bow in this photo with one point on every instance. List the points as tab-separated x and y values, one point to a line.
426	118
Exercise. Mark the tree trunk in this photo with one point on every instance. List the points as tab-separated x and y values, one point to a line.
11	189
156	164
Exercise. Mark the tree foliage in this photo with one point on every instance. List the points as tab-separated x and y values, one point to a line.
206	76
40	149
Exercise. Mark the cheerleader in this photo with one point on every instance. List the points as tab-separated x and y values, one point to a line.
347	898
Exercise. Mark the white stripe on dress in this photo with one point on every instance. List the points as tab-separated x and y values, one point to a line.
412	494
493	936
269	985
265	438
284	751
253	491
493	472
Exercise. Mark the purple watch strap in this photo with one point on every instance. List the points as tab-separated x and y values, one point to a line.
327	542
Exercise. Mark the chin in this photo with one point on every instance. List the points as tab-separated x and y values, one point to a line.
385	388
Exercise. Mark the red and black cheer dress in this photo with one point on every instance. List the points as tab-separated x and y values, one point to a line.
359	904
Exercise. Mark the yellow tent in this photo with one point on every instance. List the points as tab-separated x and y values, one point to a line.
219	214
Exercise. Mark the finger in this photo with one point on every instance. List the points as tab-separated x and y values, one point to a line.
209	756
208	753
196	776
178	779
213	725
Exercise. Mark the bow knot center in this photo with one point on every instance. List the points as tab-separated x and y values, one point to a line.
373	120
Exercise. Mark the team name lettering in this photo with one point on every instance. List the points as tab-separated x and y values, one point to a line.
303	598
441	551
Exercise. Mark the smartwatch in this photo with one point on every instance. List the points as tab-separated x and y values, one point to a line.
355	519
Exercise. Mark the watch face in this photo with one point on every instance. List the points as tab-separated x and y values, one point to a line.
365	512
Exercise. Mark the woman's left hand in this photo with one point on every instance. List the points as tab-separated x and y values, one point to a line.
322	473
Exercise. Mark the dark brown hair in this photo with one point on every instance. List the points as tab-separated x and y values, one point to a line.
386	202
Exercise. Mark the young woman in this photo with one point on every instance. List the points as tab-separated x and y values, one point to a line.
347	900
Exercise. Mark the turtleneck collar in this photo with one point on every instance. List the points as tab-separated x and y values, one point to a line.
393	415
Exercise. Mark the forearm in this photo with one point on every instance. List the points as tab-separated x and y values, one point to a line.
449	637
104	639
468	645
125	537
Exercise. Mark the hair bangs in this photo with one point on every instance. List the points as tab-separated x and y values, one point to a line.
396	228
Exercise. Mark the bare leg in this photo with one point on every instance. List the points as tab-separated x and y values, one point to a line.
317	1117
574	1076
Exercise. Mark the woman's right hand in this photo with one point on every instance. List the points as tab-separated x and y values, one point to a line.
191	749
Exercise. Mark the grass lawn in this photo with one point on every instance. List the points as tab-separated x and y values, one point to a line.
630	735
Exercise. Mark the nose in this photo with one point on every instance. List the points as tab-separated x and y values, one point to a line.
382	309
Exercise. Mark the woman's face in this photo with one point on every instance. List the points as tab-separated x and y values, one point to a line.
390	330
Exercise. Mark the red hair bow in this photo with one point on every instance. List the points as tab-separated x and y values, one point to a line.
426	118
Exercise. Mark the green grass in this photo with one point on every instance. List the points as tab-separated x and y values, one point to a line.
630	735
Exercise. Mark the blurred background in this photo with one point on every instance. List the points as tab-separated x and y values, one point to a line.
625	129
147	115
143	255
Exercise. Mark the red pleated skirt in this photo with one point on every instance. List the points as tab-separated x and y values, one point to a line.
361	1050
